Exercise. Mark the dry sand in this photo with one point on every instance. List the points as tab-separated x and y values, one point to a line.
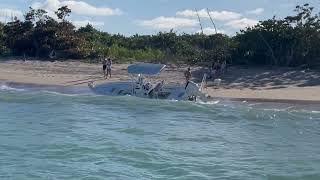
238	83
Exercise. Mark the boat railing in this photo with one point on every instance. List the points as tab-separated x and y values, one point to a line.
203	82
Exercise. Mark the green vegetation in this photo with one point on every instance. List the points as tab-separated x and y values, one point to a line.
292	41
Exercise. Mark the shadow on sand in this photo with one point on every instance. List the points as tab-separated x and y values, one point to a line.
267	78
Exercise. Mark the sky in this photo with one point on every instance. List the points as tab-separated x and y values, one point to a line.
129	17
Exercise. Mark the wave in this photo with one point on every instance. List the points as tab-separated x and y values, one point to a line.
4	87
87	96
60	93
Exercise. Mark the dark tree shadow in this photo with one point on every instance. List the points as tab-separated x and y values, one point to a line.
264	77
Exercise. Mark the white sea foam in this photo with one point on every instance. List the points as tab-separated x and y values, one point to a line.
5	87
209	102
60	94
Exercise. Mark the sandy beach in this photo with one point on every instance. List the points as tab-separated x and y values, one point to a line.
238	83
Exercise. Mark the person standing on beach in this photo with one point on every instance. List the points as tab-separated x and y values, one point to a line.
104	67
187	75
109	65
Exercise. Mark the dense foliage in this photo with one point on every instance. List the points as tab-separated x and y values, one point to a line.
292	41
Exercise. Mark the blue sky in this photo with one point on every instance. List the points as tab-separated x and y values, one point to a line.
151	16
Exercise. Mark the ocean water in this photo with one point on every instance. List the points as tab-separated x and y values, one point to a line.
51	135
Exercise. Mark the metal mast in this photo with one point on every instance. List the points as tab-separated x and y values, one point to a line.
199	21
214	25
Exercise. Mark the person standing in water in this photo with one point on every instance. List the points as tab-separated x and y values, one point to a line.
109	65
187	75
104	67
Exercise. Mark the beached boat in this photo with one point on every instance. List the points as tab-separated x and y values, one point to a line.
139	85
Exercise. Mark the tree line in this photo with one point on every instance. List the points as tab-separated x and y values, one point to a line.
291	41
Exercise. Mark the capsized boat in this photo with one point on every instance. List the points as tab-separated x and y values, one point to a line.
139	85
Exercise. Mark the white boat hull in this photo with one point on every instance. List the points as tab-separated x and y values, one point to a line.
171	92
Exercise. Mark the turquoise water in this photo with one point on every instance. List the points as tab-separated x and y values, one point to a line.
48	135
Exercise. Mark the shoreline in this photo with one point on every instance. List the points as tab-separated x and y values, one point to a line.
281	85
33	86
280	101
